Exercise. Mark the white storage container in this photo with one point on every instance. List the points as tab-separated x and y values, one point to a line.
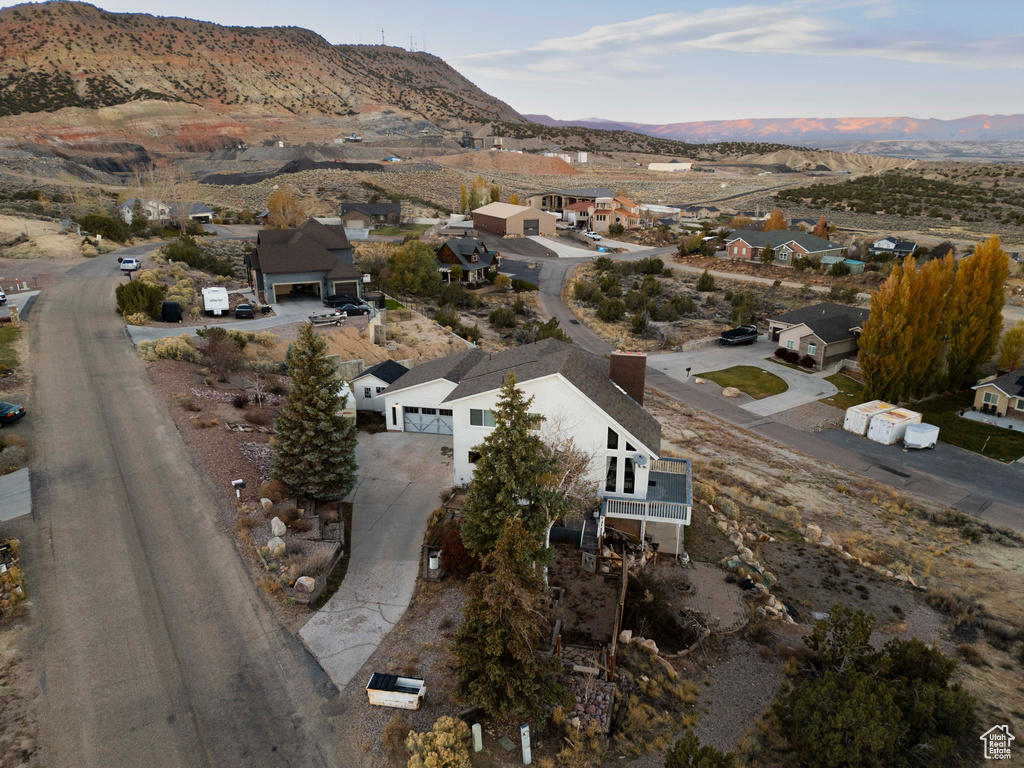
386	690
921	436
888	428
858	417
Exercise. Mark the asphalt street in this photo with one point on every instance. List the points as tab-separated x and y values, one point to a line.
157	650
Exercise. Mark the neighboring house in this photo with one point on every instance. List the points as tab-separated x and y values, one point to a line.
1002	395
198	212
369	215
155	210
803	225
312	260
892	247
698	212
368	387
786	245
827	332
578	214
596	402
673	167
471	255
507	219
558	199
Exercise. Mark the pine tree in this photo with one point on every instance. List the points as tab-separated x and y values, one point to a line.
976	310
509	481
1011	347
463	199
775	221
495	649
767	254
314	452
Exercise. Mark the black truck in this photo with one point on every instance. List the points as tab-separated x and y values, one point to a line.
744	334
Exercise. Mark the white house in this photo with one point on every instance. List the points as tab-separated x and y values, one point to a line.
155	210
672	167
368	387
577	395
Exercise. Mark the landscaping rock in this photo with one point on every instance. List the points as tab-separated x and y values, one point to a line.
267	503
731	392
304	585
276	546
669	669
625	636
277	527
699	380
723	525
826	540
813	533
650	645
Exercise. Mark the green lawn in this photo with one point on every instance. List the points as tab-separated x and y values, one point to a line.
851	392
747	378
9	336
390	303
789	365
411	229
994	442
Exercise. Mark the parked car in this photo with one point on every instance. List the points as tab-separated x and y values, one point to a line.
338	299
3	296
130	264
355	309
244	312
743	334
10	413
592	235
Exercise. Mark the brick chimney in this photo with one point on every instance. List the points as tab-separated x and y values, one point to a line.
629	371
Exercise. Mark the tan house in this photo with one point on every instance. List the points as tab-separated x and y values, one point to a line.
827	332
507	219
1002	395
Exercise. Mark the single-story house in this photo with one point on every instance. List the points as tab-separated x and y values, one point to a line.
154	209
599	402
198	212
311	260
674	166
827	332
368	387
700	212
470	254
507	219
1002	395
786	245
892	247
369	215
558	199
803	225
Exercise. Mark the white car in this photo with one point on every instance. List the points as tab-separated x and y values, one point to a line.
592	235
3	296
130	265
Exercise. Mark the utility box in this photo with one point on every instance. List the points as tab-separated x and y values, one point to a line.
385	690
858	417
889	428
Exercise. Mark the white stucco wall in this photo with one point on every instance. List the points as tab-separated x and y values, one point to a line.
375	402
427	395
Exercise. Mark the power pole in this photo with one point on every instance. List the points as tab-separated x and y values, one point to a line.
382	37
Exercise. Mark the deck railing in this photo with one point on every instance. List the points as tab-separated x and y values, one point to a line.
649	510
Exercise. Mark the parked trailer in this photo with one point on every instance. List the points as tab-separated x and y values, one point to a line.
858	417
744	334
385	690
921	436
215	300
889	428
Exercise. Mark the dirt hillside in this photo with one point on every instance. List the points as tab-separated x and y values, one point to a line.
508	162
836	161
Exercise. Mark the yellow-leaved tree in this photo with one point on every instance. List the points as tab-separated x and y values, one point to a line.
885	343
775	221
976	310
821	228
286	209
514	200
929	323
1011	347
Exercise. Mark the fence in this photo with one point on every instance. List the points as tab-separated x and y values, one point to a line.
846	362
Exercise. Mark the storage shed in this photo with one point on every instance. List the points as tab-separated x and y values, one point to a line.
507	219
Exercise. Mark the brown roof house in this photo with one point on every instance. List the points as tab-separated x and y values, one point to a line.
313	260
1001	395
470	255
827	332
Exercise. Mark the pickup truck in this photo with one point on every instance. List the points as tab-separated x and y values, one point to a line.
130	265
743	334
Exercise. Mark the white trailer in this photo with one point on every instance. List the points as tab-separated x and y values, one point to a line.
858	417
215	300
921	436
889	428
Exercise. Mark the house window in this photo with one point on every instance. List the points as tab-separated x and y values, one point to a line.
613	439
480	418
812	349
629	446
394	416
366	393
991	398
735	249
789	344
628	476
474	457
445	412
412	409
611	476
430	411
379	390
535	420
783	257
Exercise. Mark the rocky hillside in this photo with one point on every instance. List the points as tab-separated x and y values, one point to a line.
63	54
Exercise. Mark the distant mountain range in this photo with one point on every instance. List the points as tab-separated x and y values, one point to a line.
808	131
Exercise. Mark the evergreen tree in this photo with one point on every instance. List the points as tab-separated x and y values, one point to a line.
509	481
314	452
976	310
767	254
495	649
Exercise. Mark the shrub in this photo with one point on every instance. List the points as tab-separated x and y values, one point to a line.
684	305
260	416
792	356
394	736
616	229
687	752
608	282
470	333
503	282
519	306
135	297
611	310
186	250
780	353
170	348
706	282
604	263
240	400
274	490
221	351
457	296
649	266
584	290
639	323
138	318
839	269
108	228
447	317
807	361
503	317
455	558
522	285
446	745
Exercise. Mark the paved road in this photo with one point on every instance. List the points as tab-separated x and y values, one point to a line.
157	649
401	476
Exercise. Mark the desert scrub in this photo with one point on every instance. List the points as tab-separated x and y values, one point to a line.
171	348
657	708
446	745
138	318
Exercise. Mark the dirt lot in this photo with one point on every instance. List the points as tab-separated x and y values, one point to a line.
589	602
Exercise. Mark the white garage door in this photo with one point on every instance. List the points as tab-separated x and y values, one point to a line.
436	421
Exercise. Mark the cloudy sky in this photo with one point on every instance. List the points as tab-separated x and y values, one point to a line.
661	61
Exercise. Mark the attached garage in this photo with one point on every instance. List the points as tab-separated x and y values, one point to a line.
435	421
507	219
296	290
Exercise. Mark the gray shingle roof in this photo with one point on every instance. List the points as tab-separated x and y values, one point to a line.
463	248
582	192
777	237
1011	383
829	322
451	367
372	209
389	371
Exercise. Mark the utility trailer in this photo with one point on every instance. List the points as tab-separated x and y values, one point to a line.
744	334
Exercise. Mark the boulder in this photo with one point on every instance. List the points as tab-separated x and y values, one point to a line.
745	553
749	535
826	540
736	538
276	546
267	503
813	533
650	645
699	380
625	636
277	527
669	669
731	392
304	585
723	525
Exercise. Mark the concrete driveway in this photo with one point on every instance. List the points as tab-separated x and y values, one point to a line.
563	248
401	476
803	387
22	300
